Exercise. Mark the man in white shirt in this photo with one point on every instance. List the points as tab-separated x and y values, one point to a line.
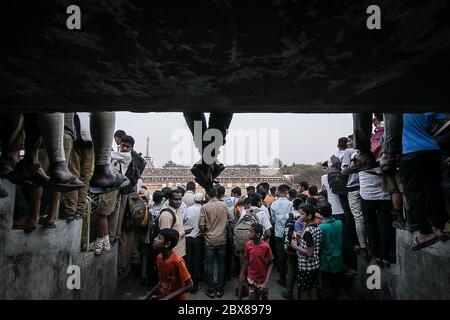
189	196
261	214
194	239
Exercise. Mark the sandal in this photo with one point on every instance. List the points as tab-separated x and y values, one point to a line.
420	245
70	185
119	183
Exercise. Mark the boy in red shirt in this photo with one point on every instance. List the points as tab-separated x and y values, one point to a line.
174	278
258	263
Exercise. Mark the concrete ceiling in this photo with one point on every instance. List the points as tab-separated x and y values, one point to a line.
240	56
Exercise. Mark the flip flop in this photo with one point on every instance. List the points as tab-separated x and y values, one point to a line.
119	183
420	245
70	185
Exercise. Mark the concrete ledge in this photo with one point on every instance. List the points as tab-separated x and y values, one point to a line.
424	274
99	274
417	275
34	265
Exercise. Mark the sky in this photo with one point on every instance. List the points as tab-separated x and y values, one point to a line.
252	138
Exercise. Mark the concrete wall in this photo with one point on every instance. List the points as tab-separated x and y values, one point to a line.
99	274
417	275
34	265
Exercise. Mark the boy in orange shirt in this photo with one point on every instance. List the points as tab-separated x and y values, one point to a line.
174	278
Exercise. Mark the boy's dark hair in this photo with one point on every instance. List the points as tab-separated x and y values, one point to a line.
255	198
190	186
181	189
173	192
157	196
263	186
324	208
128	139
250	189
247	201
292	193
350	136
313	190
212	192
170	235
304	184
258	228
283	188
342	142
166	192
323	193
311	200
297	202
237	191
273	190
220	191
119	133
302	196
262	194
309	209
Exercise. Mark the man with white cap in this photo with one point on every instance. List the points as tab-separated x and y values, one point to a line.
194	239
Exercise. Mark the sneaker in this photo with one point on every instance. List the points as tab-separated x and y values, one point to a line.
98	246
106	244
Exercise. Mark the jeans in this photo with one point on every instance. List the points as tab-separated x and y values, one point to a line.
349	237
219	121
292	267
213	254
194	257
362	131
281	259
378	219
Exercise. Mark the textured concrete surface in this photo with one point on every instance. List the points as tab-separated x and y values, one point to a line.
245	55
99	274
6	211
34	265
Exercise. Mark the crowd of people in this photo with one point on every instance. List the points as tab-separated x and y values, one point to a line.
179	240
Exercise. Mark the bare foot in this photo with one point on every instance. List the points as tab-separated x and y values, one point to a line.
438	232
102	177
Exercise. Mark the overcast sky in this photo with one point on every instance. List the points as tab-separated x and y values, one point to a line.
253	138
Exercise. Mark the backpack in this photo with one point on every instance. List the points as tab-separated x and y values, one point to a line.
241	230
337	181
134	171
289	229
136	211
155	222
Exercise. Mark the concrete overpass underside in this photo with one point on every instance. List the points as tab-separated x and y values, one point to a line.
239	56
